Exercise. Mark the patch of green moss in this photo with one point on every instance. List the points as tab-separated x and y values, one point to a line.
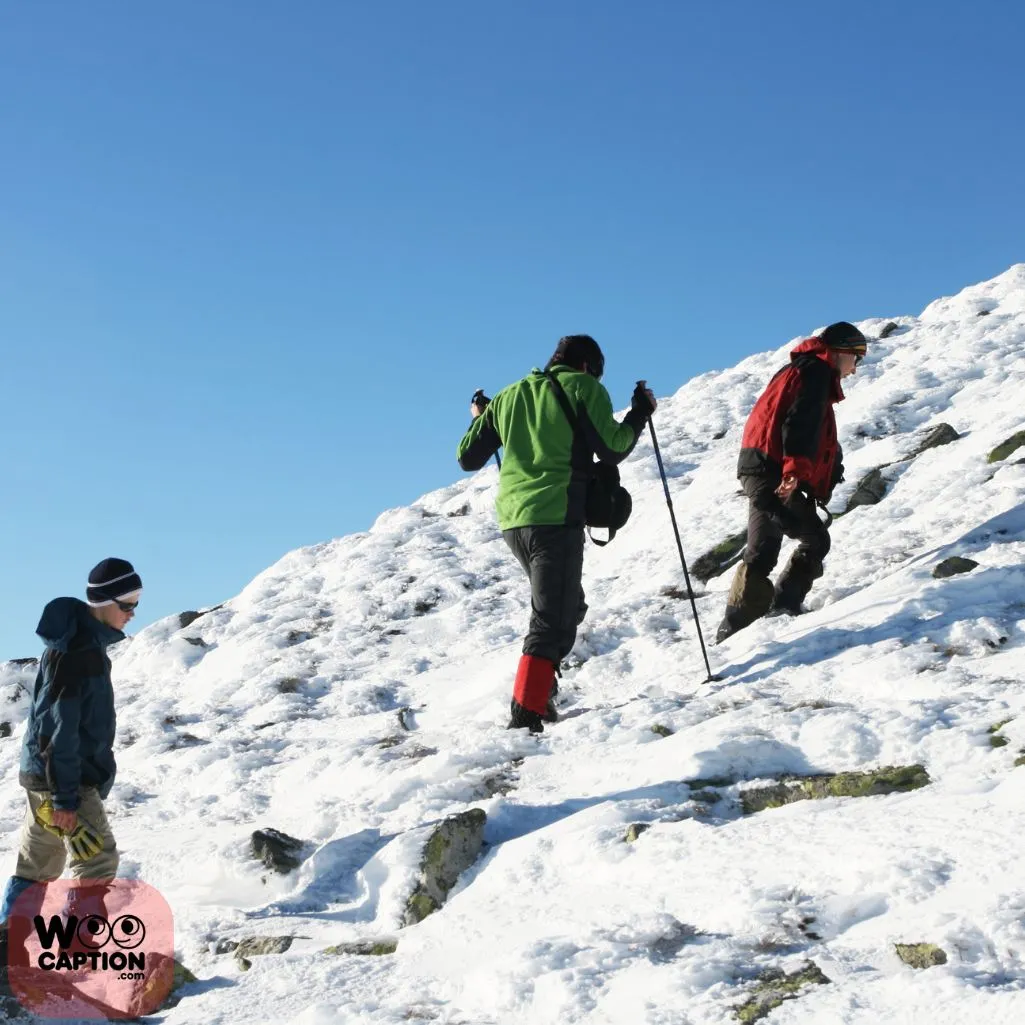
419	906
635	831
921	955
773	988
662	731
1020	760
997	741
1005	448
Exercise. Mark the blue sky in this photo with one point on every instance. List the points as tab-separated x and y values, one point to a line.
255	257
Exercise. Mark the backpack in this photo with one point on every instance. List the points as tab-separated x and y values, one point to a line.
608	504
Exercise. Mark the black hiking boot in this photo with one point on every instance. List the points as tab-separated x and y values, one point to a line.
551	712
522	718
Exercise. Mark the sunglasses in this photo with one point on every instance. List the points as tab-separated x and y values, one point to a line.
126	606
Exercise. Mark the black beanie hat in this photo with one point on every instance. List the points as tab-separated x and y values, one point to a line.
576	350
112	579
844	337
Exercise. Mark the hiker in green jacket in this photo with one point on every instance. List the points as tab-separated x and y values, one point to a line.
541	497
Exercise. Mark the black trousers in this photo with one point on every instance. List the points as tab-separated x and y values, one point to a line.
553	559
770	519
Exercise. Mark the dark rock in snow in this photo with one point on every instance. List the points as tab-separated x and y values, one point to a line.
953	566
773	987
713	562
277	850
941	434
890	780
870	490
1005	448
366	948
920	955
452	848
887	329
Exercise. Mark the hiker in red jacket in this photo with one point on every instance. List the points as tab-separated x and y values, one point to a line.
790	461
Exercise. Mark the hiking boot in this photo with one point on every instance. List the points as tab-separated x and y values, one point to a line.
523	718
551	712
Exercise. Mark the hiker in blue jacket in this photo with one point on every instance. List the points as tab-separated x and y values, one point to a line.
67	758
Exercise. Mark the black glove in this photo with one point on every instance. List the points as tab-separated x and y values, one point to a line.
640	403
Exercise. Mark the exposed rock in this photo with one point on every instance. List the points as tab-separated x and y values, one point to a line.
452	848
1005	448
5	729
289	685
953	566
405	717
463	510
498	784
23	663
635	831
198	642
188	618
1020	760
675	592
870	490
714	561
887	329
366	948
889	780
709	781
225	946
277	850
662	731
773	987
260	946
164	975
920	955
671	942
941	434
995	740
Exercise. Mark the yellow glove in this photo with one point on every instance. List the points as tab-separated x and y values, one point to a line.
83	841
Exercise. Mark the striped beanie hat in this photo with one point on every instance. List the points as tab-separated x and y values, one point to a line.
110	580
844	337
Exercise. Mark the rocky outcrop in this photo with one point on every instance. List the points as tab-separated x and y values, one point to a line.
260	946
774	987
452	848
870	490
953	566
277	850
920	955
941	434
717	559
366	948
1005	448
889	780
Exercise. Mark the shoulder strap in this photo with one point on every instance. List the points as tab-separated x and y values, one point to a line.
562	399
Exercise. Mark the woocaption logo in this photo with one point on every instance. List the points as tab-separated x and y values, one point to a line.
81	950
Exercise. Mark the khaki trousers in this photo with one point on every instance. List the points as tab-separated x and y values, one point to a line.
43	856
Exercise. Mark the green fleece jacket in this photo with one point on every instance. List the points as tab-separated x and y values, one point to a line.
545	464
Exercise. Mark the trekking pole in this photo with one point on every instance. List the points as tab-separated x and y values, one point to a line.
679	545
481	400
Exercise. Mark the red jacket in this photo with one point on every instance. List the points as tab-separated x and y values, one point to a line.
792	428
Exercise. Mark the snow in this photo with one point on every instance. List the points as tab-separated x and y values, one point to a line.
357	691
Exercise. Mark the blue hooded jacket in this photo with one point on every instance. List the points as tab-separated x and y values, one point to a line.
69	741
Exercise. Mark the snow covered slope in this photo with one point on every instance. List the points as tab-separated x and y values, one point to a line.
357	691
